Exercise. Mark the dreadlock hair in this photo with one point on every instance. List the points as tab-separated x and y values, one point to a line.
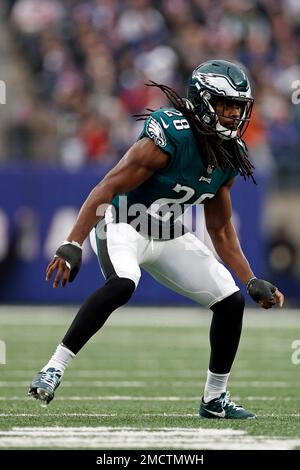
218	154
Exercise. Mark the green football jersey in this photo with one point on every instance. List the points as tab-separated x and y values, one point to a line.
183	182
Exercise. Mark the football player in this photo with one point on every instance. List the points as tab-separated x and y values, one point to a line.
187	154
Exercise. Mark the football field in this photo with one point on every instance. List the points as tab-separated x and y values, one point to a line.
137	384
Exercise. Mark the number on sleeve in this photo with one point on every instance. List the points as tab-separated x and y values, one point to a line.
180	124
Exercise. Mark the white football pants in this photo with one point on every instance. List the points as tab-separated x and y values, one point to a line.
185	264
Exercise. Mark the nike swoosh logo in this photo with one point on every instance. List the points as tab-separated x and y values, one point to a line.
216	413
164	124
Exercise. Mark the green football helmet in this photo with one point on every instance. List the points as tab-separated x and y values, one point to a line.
221	81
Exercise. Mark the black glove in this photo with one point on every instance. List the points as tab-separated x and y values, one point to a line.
262	290
71	252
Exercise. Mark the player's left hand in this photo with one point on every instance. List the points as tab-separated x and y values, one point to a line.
265	293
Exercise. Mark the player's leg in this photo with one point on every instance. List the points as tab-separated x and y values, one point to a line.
118	253
117	250
187	266
225	332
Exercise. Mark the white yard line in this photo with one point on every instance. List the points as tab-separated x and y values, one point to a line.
152	398
151	383
113	415
106	398
126	438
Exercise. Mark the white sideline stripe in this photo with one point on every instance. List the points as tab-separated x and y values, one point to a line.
176	383
155	398
126	437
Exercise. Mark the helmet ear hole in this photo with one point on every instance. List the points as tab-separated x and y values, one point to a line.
206	119
206	95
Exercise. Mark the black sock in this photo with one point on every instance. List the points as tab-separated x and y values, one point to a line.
95	311
225	332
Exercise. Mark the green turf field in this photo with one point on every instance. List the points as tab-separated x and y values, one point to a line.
138	383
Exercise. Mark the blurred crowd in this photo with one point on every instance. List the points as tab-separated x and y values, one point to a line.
89	61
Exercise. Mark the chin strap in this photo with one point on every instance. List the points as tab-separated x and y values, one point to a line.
225	133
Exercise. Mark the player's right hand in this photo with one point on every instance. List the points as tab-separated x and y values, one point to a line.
67	262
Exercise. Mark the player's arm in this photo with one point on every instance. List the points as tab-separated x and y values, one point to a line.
137	165
218	212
